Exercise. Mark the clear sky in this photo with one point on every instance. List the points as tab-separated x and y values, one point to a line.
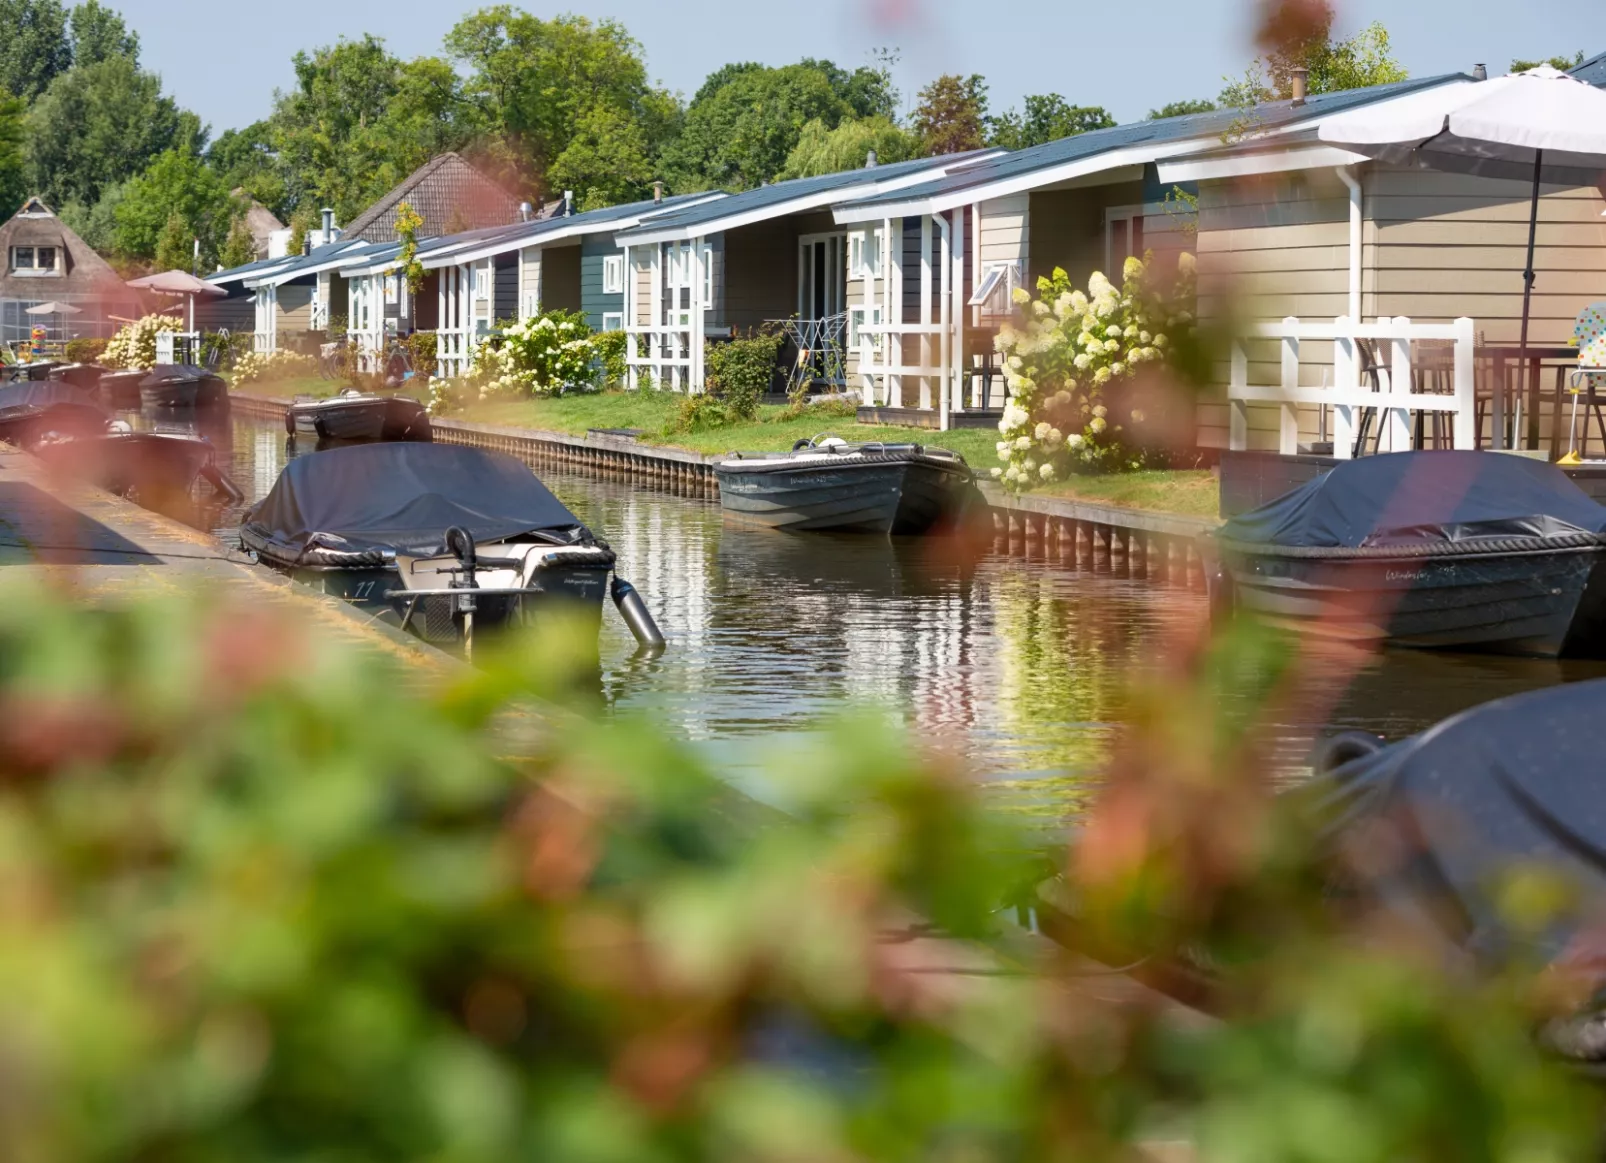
1128	57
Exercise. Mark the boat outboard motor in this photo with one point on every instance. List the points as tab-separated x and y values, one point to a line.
461	546
636	615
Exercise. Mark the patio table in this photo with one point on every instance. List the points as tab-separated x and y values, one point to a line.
1527	401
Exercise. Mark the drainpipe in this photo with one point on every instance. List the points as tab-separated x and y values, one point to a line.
1356	218
945	347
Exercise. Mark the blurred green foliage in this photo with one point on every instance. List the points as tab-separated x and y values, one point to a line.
265	897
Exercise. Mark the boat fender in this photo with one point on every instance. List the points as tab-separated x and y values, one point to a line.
290	423
636	615
800	445
1335	751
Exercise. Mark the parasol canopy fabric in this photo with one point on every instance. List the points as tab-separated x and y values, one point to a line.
1493	129
176	283
54	308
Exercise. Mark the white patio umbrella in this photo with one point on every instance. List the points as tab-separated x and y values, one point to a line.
1542	125
54	308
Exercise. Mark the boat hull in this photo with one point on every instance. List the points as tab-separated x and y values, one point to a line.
121	389
1549	603
568	591
898	496
371	419
209	392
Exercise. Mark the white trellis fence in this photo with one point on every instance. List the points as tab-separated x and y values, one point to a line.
1395	396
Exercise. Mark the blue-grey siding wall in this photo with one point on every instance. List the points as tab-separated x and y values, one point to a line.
593	249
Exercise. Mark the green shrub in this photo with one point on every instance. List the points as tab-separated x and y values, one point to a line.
134	347
85	350
612	349
739	372
545	355
421	347
699	412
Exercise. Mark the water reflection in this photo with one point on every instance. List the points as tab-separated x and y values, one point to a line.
1018	667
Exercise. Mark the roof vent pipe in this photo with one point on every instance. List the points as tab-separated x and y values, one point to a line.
524	211
870	160
568	203
657	192
1300	77
1480	72
328	224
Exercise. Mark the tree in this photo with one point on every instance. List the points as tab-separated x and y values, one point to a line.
245	160
741	133
98	32
408	223
952	114
1298	34
1564	64
174	245
239	248
101	124
821	150
606	162
177	184
1047	117
13	173
533	84
96	223
34	48
1181	109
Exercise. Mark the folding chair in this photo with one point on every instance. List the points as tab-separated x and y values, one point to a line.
1589	334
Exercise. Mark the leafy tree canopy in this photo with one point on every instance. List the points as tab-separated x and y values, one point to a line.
1181	109
178	185
99	32
1299	35
741	133
1564	63
535	86
606	162
34	47
1047	117
239	247
952	114
821	150
13	170
100	124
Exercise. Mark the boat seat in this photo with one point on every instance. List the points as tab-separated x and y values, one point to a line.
504	565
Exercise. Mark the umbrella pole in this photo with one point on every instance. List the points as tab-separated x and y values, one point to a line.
1528	273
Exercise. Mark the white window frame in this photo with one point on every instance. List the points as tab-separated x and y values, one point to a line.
708	277
392	290
858	319
613	320
613	274
1126	215
864	254
34	269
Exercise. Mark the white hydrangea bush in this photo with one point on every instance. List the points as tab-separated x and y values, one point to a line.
134	347
1065	363
263	367
551	354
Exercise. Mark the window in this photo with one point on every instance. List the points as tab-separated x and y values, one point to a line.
864	254
1123	237
532	305
613	320
678	270
392	289
857	321
993	292
708	278
33	260
613	274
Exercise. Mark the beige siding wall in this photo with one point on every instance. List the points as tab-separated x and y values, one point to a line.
530	282
1006	231
1067	229
1443	246
295	310
641	271
1268	248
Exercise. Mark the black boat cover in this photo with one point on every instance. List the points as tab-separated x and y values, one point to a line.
1504	787
40	394
174	373
403	497
1404	497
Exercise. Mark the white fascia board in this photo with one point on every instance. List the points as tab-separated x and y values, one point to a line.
868	188
1264	162
284	276
1022	183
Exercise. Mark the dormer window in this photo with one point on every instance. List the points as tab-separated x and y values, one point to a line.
34	260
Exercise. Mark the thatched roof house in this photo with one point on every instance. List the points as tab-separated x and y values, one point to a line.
45	261
451	195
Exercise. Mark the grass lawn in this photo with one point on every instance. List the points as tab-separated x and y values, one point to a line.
1193	493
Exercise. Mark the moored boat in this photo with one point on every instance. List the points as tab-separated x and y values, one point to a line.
1449	550
34	410
174	385
829	484
155	468
355	415
84	376
447	540
120	389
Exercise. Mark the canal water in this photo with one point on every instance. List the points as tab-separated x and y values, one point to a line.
1022	670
